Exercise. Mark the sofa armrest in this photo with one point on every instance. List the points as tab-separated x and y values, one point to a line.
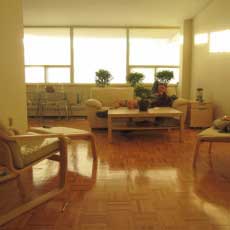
181	104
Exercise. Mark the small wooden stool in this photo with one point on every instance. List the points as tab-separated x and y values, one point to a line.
209	135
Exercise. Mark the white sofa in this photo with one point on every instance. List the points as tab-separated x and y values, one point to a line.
104	98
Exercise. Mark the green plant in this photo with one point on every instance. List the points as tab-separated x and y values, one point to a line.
135	78
143	96
142	92
164	76
103	78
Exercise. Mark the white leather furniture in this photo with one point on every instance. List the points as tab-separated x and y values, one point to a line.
104	98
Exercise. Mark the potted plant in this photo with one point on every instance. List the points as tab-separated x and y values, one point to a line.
143	95
103	78
135	78
164	77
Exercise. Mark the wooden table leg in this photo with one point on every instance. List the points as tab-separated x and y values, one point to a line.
110	129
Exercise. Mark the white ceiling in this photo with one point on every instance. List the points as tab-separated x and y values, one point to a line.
111	12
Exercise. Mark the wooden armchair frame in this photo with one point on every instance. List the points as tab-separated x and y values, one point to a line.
15	173
210	139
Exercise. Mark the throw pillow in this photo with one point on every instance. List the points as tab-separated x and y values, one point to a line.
94	103
122	103
221	124
132	104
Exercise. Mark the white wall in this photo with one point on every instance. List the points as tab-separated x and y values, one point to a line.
112	13
211	71
186	59
12	87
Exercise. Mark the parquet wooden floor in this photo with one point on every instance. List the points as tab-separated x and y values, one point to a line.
143	181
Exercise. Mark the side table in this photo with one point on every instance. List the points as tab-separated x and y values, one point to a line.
201	114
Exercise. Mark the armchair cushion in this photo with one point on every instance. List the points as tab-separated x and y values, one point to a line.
35	150
26	152
94	103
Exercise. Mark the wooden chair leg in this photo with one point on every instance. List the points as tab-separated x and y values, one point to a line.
63	163
93	146
21	187
210	154
196	153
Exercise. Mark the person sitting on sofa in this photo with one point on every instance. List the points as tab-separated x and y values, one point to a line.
160	97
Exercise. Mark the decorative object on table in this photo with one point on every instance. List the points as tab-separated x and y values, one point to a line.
199	95
135	78
164	77
122	103
132	104
103	78
143	95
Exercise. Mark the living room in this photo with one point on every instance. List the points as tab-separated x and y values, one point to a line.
138	179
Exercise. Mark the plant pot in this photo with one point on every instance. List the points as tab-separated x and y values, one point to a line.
143	105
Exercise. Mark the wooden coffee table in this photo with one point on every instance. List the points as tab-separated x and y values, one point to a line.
124	112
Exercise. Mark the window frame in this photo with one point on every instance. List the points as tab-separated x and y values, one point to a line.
128	66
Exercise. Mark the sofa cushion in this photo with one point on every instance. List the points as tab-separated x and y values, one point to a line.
94	103
109	96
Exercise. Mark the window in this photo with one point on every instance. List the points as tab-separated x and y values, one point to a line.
149	73
154	47
219	41
53	56
96	49
34	74
47	47
175	71
58	75
153	50
200	39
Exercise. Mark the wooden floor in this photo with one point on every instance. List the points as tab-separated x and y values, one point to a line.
143	181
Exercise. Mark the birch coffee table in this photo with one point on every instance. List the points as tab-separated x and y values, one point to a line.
124	112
